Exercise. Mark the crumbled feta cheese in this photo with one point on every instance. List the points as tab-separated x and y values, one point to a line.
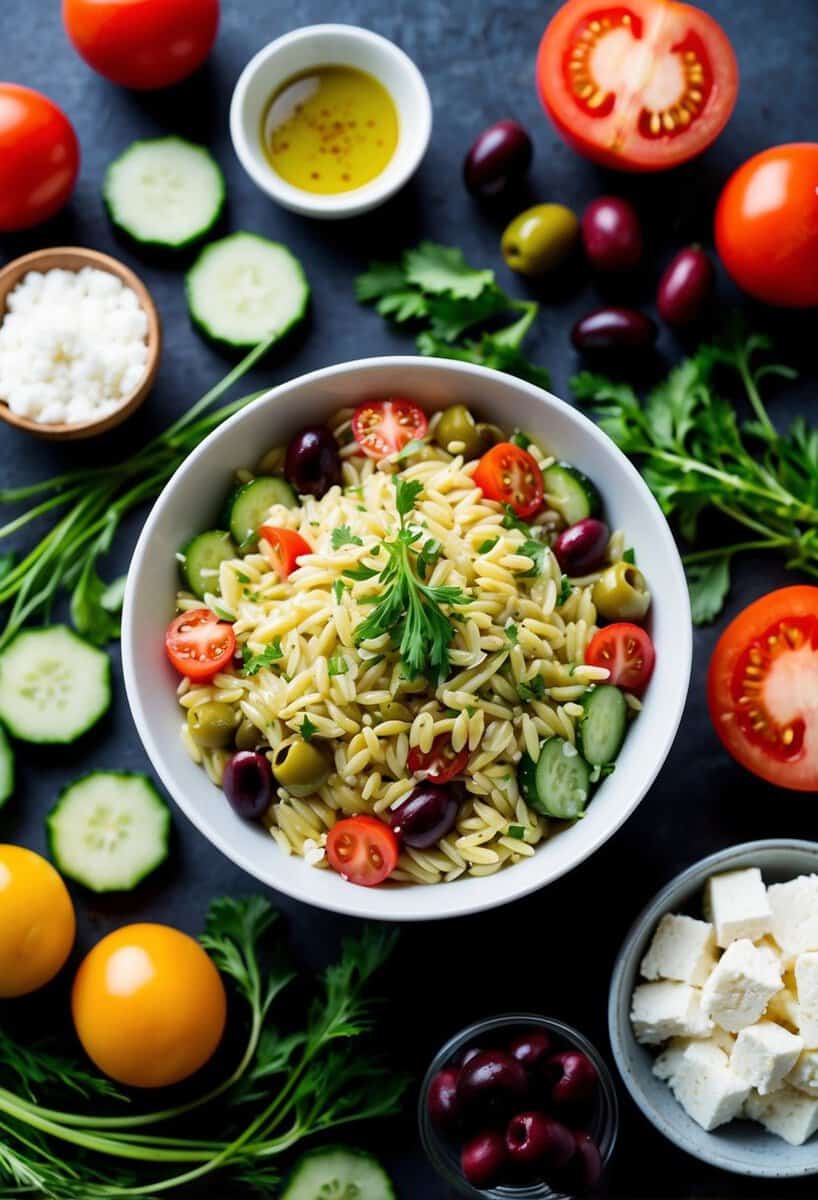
703	1082
783	1009
804	1075
764	1054
740	986
736	903
682	949
806	982
667	1009
72	345
786	1112
794	908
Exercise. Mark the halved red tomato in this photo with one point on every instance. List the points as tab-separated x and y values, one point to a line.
628	653
439	764
762	688
510	475
199	645
362	850
286	547
638	85
384	427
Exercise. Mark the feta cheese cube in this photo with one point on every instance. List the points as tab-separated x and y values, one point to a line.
764	1054
682	949
667	1009
804	1075
740	987
806	982
736	903
783	1009
669	1062
788	1113
794	908
705	1086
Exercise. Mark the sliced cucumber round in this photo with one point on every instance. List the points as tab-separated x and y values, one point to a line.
603	725
338	1173
109	830
165	193
6	768
570	493
563	780
245	289
202	557
53	685
250	504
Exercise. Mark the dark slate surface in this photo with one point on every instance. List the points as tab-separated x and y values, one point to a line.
552	952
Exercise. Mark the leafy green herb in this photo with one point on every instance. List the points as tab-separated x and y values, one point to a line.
487	545
241	577
337	665
511	632
534	689
565	591
339	587
516	831
521	439
537	552
512	521
360	574
307	729
343	536
629	556
253	663
438	269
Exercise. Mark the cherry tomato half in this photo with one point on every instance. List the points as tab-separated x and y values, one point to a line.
362	850
142	43
767	225
198	644
762	688
286	547
384	427
628	653
39	158
510	475
439	764
638	85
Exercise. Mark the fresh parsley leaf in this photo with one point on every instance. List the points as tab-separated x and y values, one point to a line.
565	591
95	605
429	554
708	583
537	552
241	577
360	573
629	556
343	536
339	587
516	831
534	689
337	665
521	439
436	268
512	521
403	306
307	729
450	317
406	493
253	663
381	279
487	545
511	632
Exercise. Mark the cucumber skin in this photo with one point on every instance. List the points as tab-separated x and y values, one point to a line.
288	1192
540	805
7	772
587	704
149	243
52	833
592	497
184	551
242	491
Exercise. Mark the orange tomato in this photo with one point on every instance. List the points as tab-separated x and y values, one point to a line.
148	1005
37	923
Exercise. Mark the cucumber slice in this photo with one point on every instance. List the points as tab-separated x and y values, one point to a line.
338	1173
603	725
165	193
249	505
245	289
563	780
202	557
571	493
53	685
109	830
6	768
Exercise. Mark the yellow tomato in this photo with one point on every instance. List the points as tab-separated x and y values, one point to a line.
37	923
148	1005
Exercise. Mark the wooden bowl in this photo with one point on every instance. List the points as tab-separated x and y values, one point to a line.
74	258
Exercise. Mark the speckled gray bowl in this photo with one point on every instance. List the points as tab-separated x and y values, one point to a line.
742	1146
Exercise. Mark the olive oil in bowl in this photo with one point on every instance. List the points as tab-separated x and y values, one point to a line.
330	129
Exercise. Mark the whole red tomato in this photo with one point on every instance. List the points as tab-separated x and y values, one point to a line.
39	158
142	44
767	225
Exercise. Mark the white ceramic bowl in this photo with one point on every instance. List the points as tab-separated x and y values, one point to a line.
740	1146
193	500
322	45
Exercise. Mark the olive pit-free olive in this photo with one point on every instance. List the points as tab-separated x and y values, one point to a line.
212	725
621	593
540	239
299	766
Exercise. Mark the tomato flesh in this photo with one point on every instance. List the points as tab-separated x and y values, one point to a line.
639	86
627	652
199	645
286	547
439	764
363	850
512	476
763	688
384	427
39	158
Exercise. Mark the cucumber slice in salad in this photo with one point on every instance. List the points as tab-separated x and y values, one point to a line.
109	830
249	505
571	493
563	781
338	1173
165	193
6	768
603	724
201	558
53	685
245	289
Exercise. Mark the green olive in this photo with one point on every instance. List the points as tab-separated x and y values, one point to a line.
540	238
458	425
394	711
248	736
212	725
621	593
490	435
300	767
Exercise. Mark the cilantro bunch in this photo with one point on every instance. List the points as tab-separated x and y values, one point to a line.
458	307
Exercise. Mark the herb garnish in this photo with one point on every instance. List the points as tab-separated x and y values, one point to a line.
533	689
343	536
337	665
253	663
307	729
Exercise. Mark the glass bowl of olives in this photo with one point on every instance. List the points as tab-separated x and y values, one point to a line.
519	1107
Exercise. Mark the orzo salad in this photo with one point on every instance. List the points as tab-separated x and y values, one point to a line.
414	649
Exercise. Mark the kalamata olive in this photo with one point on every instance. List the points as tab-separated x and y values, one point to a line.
426	815
442	1099
497	158
313	464
581	548
611	234
531	1049
572	1078
583	1173
491	1083
533	1139
613	329
483	1158
248	784
469	1054
685	287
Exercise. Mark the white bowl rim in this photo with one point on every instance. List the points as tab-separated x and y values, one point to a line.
360	901
368	195
648	917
